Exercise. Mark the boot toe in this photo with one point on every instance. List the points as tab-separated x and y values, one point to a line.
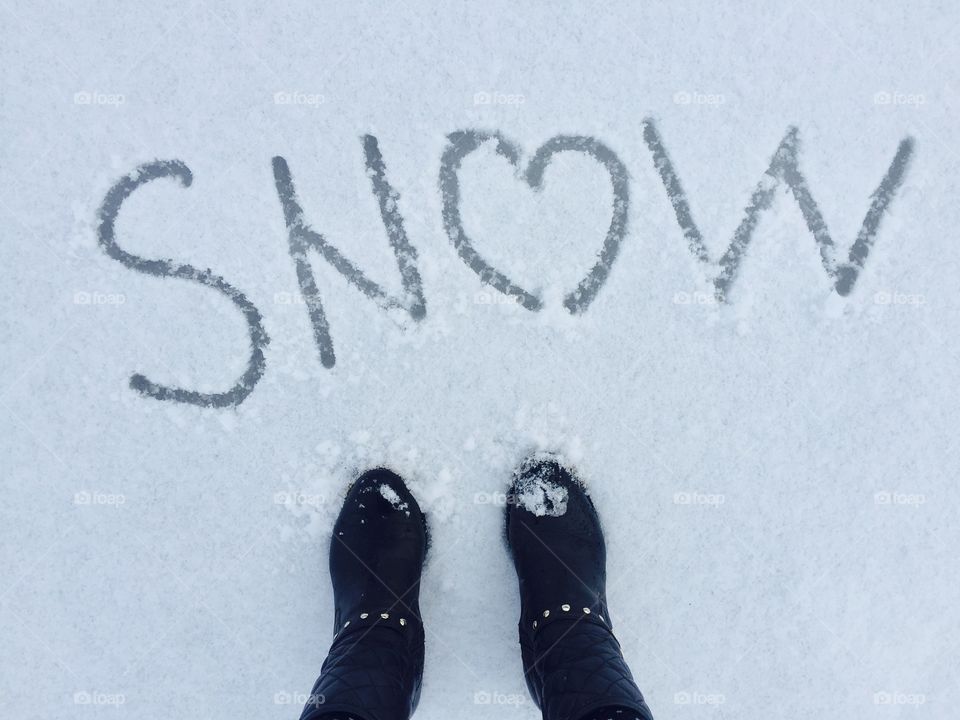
544	488
382	492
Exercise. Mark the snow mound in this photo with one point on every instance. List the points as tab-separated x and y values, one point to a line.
540	497
390	495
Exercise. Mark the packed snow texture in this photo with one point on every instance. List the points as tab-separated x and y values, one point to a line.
775	469
536	494
390	495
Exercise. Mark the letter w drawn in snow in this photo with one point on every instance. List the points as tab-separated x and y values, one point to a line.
303	238
783	166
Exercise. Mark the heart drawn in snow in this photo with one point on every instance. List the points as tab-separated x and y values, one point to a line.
464	142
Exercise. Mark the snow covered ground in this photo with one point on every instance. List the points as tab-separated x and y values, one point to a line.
776	472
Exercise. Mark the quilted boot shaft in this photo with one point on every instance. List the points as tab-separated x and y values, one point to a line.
571	659
374	667
372	672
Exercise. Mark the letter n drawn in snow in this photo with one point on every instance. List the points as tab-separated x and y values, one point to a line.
302	239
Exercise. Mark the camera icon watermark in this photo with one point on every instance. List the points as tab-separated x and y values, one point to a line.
890	498
899	698
95	297
85	697
289	298
695	697
85	497
299	699
694	298
298	499
893	297
89	97
698	498
885	97
497	499
495	298
296	97
684	97
498	98
482	697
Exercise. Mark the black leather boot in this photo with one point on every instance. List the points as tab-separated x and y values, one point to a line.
572	662
375	665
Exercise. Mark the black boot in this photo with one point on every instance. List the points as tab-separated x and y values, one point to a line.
571	659
375	664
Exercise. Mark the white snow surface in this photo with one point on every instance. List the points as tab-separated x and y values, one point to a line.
776	474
